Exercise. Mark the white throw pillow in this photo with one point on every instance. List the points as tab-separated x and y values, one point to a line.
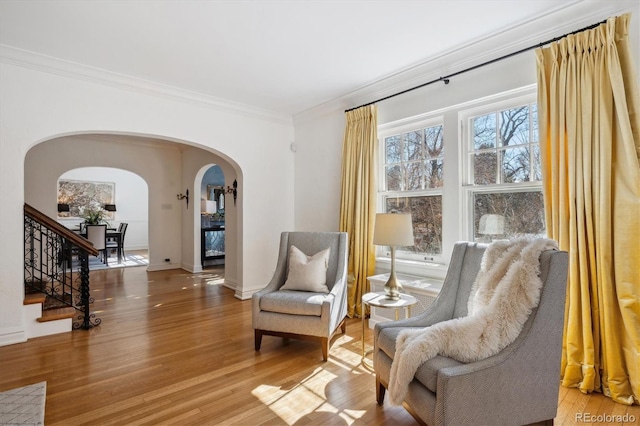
307	273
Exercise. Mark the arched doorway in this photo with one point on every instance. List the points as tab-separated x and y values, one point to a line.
128	199
169	167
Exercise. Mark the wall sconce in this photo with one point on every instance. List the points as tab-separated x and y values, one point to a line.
186	196
233	190
63	208
110	207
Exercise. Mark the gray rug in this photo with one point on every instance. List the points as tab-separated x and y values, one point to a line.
23	406
129	260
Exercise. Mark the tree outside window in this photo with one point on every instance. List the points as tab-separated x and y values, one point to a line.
413	178
504	158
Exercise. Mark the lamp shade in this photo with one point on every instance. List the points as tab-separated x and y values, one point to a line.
110	207
393	229
491	224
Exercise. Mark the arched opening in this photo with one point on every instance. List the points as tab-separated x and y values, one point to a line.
123	193
169	167
212	236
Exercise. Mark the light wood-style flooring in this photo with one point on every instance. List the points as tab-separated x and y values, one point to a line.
177	348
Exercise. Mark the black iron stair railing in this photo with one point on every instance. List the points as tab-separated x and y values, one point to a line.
48	269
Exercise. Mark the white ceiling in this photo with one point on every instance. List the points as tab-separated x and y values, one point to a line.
284	56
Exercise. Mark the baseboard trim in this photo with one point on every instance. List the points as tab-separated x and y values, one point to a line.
163	267
244	295
12	336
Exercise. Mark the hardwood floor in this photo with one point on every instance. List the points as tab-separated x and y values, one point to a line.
177	348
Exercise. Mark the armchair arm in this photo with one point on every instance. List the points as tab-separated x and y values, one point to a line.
518	373
335	303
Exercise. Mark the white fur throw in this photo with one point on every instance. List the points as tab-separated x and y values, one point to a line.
503	295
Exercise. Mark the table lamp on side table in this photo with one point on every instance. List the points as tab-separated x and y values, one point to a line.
393	229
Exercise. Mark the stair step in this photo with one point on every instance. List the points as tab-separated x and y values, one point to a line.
32	299
57	314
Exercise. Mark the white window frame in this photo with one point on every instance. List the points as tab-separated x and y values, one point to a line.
465	161
398	128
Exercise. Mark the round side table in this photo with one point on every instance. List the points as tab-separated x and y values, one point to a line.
379	300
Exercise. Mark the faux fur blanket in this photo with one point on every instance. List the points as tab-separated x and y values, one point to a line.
503	295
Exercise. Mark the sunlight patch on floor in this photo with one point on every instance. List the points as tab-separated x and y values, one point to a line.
218	281
308	398
303	399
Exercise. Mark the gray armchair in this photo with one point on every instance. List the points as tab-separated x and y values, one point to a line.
517	386
304	315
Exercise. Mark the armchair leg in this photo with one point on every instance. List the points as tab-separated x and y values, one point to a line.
257	339
380	390
325	348
343	326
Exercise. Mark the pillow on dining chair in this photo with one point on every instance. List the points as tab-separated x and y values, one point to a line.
307	273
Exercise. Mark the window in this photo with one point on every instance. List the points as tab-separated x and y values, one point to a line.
504	191
413	180
492	171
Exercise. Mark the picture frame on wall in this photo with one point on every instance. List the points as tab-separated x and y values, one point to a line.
84	196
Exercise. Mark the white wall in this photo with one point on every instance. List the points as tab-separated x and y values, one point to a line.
42	99
131	200
319	131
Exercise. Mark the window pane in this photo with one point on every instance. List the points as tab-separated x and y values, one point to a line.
433	141
512	214
514	126
484	131
485	168
515	164
392	149
413	173
412	146
433	173
426	214
394	178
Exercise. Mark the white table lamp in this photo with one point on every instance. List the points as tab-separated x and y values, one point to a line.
393	229
491	224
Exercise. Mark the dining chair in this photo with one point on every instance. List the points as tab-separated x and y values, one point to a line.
118	244
97	235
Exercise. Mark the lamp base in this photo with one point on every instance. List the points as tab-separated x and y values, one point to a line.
392	288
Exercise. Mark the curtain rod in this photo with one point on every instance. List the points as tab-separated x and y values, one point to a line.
445	79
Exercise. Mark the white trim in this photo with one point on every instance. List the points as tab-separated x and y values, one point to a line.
412	267
12	335
242	294
231	285
163	267
35	61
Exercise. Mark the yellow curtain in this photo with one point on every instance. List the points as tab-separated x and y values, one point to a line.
358	200
589	118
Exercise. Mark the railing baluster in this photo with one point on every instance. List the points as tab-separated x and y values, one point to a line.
48	266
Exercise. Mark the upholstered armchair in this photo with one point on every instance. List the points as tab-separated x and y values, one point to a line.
519	385
307	297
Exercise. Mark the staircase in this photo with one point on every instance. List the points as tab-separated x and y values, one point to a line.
57	298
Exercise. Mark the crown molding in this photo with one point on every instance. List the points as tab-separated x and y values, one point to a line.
557	22
35	61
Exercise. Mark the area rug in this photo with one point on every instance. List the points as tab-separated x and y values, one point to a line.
23	406
129	260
